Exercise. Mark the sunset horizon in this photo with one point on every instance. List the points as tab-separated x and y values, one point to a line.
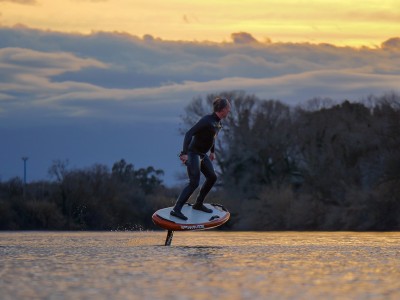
338	23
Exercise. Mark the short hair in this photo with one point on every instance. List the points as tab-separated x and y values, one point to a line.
219	104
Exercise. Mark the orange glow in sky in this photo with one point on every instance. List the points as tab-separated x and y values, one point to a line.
339	22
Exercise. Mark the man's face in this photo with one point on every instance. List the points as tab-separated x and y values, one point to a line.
225	111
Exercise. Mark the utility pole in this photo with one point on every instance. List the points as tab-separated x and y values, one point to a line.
25	158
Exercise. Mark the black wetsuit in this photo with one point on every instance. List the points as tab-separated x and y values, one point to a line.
197	142
200	138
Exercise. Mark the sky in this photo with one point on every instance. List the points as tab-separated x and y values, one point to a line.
95	81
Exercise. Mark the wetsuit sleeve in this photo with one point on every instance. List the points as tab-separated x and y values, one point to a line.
191	132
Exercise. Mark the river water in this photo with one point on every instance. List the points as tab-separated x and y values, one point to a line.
199	265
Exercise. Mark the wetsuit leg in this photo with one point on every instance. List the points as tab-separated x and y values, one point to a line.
208	170
193	170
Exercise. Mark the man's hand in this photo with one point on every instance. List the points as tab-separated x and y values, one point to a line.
212	156
183	158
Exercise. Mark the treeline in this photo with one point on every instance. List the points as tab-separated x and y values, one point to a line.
95	198
321	165
318	166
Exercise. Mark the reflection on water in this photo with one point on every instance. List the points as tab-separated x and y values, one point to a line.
199	265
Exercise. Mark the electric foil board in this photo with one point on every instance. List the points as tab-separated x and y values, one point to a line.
197	220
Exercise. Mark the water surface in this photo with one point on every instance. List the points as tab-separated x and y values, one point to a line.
199	265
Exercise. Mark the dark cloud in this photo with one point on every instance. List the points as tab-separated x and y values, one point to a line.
392	43
188	19
243	38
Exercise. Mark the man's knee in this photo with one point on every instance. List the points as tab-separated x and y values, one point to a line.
194	183
212	178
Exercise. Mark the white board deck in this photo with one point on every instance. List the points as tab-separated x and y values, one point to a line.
194	216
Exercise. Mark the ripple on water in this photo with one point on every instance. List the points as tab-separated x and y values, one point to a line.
199	265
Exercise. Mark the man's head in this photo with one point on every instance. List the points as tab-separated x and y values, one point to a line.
222	107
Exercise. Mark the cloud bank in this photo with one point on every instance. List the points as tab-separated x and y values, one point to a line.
50	78
68	74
